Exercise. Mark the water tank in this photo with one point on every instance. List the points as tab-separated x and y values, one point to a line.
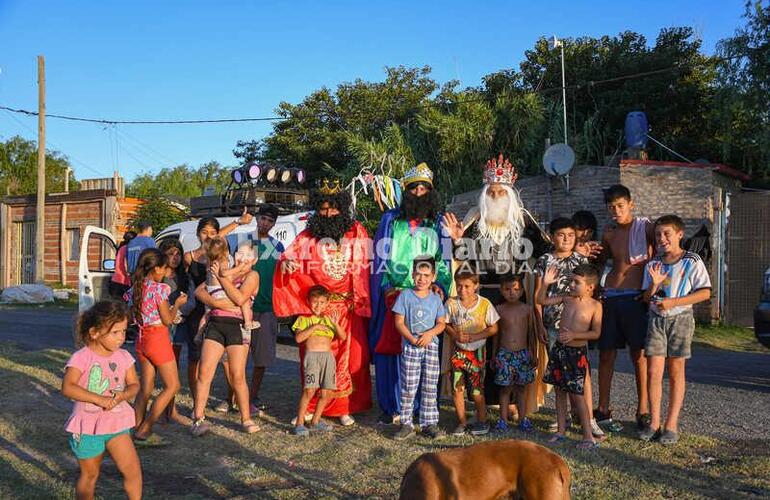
636	130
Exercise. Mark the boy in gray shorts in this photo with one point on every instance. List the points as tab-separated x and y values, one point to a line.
319	367
673	281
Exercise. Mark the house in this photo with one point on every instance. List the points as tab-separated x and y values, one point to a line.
707	196
66	216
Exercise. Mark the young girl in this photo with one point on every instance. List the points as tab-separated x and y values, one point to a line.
101	379
152	313
223	333
179	282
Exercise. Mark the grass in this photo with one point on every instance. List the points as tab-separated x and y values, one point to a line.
361	461
728	338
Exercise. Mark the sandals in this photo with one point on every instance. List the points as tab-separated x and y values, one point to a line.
151	441
250	427
557	438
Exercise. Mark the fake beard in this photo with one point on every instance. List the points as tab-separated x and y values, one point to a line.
501	217
333	227
418	207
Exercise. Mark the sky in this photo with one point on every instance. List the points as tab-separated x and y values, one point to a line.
150	60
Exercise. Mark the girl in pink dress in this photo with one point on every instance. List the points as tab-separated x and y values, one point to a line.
100	378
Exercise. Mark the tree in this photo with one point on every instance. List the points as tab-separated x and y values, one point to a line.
18	168
159	212
181	181
742	112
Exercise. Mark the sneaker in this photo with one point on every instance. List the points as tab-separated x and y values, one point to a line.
668	437
300	430
479	428
433	431
649	434
554	426
404	432
525	425
643	421
258	404
459	430
347	421
596	430
308	418
501	426
199	427
321	427
605	420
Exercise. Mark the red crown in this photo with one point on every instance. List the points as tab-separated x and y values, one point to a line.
500	171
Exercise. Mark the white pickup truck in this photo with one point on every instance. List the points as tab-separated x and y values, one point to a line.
98	248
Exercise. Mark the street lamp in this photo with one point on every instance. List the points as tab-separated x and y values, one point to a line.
552	44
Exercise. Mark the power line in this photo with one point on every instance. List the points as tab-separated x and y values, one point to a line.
576	86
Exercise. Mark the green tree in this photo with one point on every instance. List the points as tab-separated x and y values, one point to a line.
181	181
158	211
18	168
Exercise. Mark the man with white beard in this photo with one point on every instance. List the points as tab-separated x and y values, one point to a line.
496	238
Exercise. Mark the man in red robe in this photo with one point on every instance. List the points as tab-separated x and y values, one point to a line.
334	251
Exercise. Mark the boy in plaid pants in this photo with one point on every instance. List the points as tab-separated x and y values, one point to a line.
420	318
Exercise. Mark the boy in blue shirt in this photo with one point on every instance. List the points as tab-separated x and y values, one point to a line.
142	241
674	280
420	318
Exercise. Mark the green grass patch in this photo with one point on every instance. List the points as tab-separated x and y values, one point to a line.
728	338
352	462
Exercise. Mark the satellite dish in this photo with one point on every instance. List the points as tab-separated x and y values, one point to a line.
558	159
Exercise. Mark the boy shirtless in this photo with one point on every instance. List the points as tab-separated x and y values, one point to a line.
629	243
581	321
513	357
317	331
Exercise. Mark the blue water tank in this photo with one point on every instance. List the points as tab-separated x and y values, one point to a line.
636	130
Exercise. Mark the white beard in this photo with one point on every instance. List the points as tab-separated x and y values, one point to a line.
502	217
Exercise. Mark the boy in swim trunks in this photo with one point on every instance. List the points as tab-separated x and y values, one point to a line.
513	360
581	321
319	366
472	319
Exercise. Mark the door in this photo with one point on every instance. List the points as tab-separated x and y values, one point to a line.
748	254
97	263
26	252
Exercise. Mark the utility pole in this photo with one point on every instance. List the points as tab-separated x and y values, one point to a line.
40	212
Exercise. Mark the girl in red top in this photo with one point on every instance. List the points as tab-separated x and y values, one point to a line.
153	315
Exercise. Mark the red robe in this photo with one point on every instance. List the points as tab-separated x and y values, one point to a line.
345	274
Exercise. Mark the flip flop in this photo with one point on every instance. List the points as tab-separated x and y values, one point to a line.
250	427
557	438
151	441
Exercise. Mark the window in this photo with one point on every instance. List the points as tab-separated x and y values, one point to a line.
73	241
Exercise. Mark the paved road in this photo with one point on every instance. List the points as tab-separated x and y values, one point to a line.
728	393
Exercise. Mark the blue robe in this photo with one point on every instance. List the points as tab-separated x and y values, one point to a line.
387	366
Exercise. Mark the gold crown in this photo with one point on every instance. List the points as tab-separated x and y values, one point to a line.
329	186
420	173
500	171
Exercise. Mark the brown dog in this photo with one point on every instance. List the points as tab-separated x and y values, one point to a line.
492	469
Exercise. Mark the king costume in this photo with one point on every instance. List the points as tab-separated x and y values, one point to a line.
333	252
404	233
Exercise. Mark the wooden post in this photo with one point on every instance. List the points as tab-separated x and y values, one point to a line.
40	212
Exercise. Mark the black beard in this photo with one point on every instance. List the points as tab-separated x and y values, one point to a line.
333	227
418	207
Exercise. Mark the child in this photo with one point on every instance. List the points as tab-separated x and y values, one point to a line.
581	321
420	317
674	281
153	315
514	362
585	225
101	379
471	320
218	252
565	259
319	366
